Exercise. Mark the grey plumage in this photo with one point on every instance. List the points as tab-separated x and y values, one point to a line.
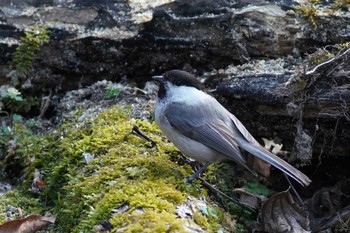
204	130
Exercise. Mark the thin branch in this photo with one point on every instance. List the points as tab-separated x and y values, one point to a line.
326	62
137	132
215	190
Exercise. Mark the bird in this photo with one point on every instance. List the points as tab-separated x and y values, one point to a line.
205	131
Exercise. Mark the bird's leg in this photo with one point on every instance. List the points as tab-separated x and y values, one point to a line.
199	171
194	164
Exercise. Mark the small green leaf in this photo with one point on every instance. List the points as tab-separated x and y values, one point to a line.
209	212
112	91
204	211
135	172
212	212
6	130
12	93
16	118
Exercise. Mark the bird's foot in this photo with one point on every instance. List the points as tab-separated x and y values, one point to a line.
189	179
198	171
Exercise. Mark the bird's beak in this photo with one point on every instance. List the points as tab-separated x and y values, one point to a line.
159	78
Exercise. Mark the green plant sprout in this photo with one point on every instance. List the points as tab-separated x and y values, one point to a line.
30	45
9	97
112	91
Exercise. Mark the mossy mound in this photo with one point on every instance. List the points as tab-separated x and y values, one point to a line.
125	171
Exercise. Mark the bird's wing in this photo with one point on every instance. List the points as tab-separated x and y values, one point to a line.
198	124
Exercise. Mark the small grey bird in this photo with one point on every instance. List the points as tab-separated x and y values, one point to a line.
205	131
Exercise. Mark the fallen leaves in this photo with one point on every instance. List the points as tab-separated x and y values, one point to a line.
281	214
38	184
29	224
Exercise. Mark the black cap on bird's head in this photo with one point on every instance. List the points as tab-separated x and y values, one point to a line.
179	78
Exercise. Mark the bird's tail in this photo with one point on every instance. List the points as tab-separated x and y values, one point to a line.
265	155
248	143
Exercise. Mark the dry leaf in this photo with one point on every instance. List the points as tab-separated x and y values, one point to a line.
281	214
30	224
38	183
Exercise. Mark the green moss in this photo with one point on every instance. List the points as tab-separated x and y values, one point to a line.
341	4
148	221
308	10
21	149
22	199
344	45
225	180
319	57
125	169
311	9
201	220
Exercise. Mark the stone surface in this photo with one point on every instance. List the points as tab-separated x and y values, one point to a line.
294	107
110	40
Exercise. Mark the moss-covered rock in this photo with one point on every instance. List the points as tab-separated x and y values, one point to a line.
125	171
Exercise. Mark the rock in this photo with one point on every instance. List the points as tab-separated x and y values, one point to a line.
4	188
303	108
110	40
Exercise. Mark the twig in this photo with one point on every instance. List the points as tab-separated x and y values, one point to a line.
137	132
217	191
326	223
45	104
326	62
